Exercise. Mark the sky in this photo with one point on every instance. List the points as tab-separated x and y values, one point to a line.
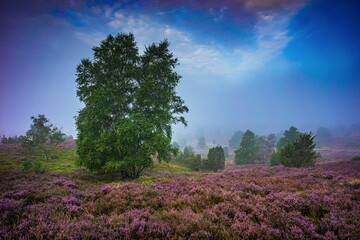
263	65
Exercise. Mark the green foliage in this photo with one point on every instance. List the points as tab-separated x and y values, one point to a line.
274	159
356	158
300	152
189	159
202	143
215	159
188	152
289	135
195	162
130	104
235	140
248	149
33	166
11	140
42	136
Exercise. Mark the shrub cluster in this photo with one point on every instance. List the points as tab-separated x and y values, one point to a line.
215	159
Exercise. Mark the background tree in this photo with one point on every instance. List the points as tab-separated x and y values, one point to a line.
189	159
266	147
247	151
42	136
299	153
202	143
215	159
11	140
289	135
235	139
188	151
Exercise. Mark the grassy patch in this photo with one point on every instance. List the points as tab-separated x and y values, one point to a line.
170	168
13	157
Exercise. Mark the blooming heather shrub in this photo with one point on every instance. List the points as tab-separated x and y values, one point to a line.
247	202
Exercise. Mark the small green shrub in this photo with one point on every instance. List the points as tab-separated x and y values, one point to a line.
356	158
195	162
33	166
300	152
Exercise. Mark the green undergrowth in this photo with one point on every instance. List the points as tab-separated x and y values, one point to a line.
162	172
8	161
64	161
60	160
173	168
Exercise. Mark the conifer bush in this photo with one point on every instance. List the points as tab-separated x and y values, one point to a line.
299	153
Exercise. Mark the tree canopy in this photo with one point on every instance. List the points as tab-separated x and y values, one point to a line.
130	103
289	135
215	159
300	152
248	149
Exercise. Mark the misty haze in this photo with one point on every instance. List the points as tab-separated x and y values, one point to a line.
234	119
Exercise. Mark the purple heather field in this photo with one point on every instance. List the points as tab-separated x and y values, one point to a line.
242	202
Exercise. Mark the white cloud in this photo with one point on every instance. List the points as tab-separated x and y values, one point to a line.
209	60
272	38
192	56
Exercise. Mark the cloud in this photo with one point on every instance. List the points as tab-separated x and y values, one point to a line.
192	56
213	59
272	38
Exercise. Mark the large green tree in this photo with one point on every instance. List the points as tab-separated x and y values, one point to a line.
130	103
248	149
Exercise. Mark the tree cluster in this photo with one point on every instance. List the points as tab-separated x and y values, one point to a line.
42	136
11	140
130	104
215	159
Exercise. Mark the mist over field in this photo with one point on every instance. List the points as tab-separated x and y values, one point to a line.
258	65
